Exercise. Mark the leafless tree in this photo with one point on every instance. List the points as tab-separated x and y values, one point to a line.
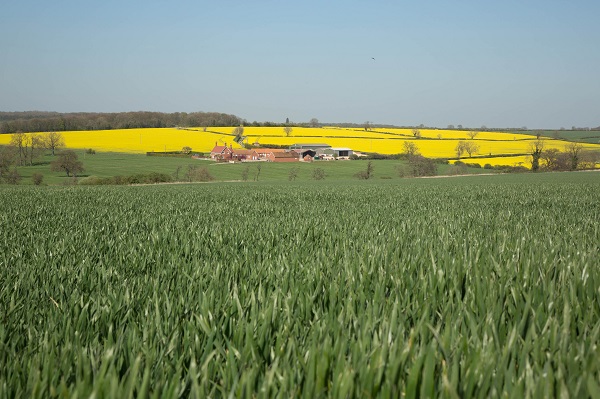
535	150
410	148
53	141
552	159
466	146
20	141
288	131
472	134
293	174
314	122
471	148
67	161
460	148
416	133
574	152
367	173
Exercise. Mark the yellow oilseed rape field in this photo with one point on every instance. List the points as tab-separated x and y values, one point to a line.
433	143
520	160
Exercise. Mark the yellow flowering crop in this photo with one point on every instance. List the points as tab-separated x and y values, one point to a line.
520	160
433	143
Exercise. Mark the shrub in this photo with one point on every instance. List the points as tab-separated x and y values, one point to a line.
418	166
318	174
37	178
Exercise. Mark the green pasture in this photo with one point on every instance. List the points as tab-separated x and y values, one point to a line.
120	164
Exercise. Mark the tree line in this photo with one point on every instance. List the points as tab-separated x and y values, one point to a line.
35	121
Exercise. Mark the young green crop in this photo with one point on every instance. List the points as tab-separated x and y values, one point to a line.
300	290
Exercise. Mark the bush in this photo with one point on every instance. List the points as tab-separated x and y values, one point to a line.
318	174
365	174
13	177
195	173
37	178
151	178
488	166
90	151
418	166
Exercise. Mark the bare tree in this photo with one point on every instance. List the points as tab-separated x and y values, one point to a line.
367	173
288	131
7	159
589	159
472	134
460	148
314	122
67	161
410	148
53	141
245	173
417	166
466	146
551	159
416	133
574	152
535	150
471	148
36	147
258	169
20	141
367	126
293	174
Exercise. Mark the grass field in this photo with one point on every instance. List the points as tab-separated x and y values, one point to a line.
461	287
106	164
590	136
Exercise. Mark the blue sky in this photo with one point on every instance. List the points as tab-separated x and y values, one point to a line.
494	63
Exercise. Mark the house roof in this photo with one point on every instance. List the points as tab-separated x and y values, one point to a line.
220	148
341	149
309	145
243	152
268	150
284	155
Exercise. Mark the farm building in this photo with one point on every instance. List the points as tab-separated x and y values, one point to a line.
315	147
341	152
263	153
244	155
290	156
277	155
220	152
306	155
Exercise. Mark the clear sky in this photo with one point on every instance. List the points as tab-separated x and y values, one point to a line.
472	62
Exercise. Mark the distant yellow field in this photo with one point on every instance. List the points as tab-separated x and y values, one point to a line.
521	160
433	143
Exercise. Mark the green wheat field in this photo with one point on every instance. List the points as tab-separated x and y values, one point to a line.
459	287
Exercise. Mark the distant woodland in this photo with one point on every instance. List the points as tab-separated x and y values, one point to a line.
36	121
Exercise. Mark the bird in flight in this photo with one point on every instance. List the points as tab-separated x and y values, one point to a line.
373	58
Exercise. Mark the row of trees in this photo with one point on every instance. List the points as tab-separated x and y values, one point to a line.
13	122
574	157
25	149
